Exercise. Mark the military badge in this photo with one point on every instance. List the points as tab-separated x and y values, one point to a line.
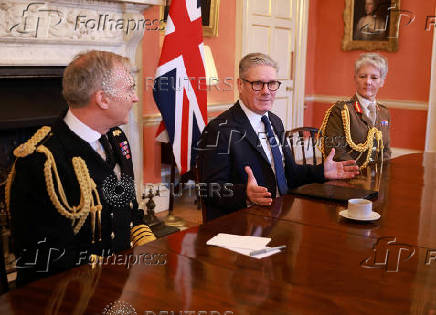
125	149
116	133
357	107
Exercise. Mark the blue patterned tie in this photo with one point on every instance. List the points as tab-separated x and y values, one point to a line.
277	156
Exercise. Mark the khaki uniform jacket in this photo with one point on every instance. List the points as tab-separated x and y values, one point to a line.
360	124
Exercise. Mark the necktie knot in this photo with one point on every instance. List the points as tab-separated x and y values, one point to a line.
268	129
110	160
265	120
372	112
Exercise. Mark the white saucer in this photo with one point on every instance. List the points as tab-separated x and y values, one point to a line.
373	216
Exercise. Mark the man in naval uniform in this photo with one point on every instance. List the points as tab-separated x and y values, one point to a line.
71	192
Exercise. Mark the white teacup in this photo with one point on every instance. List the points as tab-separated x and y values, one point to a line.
360	208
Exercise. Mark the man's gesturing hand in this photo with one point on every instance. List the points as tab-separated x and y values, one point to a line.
339	170
256	194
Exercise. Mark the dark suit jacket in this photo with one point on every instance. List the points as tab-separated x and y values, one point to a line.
40	230
227	145
359	127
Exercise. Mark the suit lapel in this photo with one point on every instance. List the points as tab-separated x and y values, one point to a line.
360	113
278	129
76	146
377	116
366	119
121	149
246	128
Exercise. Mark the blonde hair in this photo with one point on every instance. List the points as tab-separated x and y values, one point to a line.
376	60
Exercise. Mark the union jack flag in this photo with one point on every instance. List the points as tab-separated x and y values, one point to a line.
180	90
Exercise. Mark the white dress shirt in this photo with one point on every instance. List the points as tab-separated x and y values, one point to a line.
364	104
259	128
89	135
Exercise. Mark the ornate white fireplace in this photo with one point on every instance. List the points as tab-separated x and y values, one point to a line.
50	33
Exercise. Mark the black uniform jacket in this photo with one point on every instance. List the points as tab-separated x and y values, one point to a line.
44	240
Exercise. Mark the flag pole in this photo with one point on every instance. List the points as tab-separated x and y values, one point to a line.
180	61
171	219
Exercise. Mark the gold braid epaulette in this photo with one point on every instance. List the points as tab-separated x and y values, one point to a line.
321	132
23	150
366	146
88	202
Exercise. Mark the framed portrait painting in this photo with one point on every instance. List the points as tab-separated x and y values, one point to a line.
371	25
209	15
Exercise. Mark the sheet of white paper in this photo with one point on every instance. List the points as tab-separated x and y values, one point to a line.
242	244
247	252
239	241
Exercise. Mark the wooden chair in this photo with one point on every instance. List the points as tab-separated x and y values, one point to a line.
167	157
4	286
301	140
199	200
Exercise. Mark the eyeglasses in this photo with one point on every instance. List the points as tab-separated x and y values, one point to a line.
258	85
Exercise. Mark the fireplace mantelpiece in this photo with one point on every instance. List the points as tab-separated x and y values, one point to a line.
50	33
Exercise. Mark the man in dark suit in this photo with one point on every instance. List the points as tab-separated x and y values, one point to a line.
243	155
71	191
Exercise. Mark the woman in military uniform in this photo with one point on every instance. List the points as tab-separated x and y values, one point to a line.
358	128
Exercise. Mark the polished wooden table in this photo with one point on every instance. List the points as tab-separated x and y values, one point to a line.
331	265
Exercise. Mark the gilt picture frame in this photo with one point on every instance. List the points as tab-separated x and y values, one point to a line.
209	14
371	25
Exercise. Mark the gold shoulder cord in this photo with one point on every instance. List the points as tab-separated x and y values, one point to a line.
88	203
321	131
361	147
23	150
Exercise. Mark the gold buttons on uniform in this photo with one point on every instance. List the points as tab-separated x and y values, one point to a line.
113	235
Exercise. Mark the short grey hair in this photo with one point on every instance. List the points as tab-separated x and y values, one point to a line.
378	61
255	59
89	72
